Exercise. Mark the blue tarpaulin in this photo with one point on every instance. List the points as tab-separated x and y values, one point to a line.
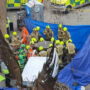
79	33
79	69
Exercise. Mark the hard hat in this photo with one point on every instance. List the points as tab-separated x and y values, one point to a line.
33	29
27	47
50	45
69	40
52	39
41	39
65	28
40	48
6	36
60	26
14	33
20	56
34	39
38	28
62	43
31	42
23	45
48	27
57	42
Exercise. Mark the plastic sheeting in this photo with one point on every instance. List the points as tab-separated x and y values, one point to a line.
78	71
79	33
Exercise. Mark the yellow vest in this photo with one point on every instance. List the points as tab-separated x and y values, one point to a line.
2	78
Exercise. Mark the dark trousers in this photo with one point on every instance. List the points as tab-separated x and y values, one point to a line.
7	76
8	31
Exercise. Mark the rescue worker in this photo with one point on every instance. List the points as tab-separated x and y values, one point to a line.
48	33
21	62
6	36
49	49
27	50
15	41
70	47
59	48
42	52
52	39
5	71
41	39
8	25
60	32
66	35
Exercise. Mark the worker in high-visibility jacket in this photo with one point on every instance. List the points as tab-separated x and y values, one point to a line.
49	49
8	25
59	48
70	47
42	52
60	32
5	71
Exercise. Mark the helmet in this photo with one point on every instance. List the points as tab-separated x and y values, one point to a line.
31	42
50	45
27	47
20	56
65	28
62	43
69	40
14	33
48	27
52	39
38	28
60	26
23	45
57	42
41	39
6	36
34	39
40	48
33	29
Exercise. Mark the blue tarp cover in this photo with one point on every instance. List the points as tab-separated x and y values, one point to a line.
79	34
79	69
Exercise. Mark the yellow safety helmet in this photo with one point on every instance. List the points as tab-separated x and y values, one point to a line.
65	28
34	39
52	39
60	26
40	48
50	45
14	33
62	43
33	29
27	47
41	39
37	28
57	42
69	40
48	27
6	36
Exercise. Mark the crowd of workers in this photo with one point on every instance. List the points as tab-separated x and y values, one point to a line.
23	47
64	46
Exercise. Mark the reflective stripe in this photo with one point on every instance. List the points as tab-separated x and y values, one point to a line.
5	71
2	78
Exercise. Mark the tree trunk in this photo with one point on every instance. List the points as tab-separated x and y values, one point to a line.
3	16
8	57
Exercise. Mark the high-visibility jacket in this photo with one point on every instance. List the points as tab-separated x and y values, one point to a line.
4	68
2	78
